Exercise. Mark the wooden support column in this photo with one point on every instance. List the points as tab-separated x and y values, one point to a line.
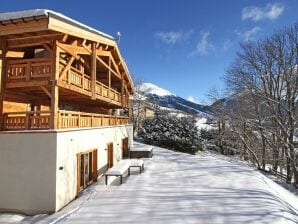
122	89
54	87
109	78
93	71
2	79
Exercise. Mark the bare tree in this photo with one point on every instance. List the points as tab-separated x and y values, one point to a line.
139	106
267	71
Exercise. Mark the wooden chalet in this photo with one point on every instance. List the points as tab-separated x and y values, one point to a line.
64	109
65	74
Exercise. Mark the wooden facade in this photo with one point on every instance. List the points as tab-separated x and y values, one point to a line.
64	74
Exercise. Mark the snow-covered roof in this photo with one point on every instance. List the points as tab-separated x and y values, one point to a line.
36	13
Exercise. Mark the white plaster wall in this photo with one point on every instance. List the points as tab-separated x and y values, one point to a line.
70	143
27	172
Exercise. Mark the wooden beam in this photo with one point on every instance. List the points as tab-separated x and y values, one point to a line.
101	52
122	89
17	96
67	28
32	41
65	37
93	71
46	91
24	27
48	48
109	79
22	84
74	49
107	66
66	68
103	63
76	90
108	54
68	49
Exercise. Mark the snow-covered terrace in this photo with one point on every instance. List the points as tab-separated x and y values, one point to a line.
181	188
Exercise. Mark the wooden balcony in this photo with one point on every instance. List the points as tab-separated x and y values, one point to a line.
24	72
67	119
78	81
40	120
28	69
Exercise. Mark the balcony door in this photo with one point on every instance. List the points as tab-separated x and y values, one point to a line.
110	155
86	169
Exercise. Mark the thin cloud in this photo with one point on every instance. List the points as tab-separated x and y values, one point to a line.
270	11
173	37
204	46
227	44
249	34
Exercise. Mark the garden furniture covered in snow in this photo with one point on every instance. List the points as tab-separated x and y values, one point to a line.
141	151
124	165
118	170
137	163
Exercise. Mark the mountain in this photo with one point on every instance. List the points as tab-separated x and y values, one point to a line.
149	88
164	98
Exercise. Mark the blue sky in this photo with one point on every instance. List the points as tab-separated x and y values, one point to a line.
180	45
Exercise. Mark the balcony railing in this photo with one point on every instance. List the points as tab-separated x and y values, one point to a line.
37	120
69	119
26	120
41	68
77	78
27	69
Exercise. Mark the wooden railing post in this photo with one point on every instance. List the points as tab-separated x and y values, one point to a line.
28	68
3	122
27	121
59	120
79	120
83	82
68	76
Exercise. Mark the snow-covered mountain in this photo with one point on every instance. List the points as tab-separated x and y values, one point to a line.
164	98
149	88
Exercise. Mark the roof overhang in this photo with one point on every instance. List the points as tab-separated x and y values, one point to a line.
43	19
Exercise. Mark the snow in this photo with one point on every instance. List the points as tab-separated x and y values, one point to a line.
11	218
150	88
202	124
45	12
180	188
142	147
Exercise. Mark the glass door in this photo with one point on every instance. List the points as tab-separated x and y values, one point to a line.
86	169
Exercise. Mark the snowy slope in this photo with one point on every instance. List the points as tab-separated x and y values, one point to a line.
164	98
178	188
